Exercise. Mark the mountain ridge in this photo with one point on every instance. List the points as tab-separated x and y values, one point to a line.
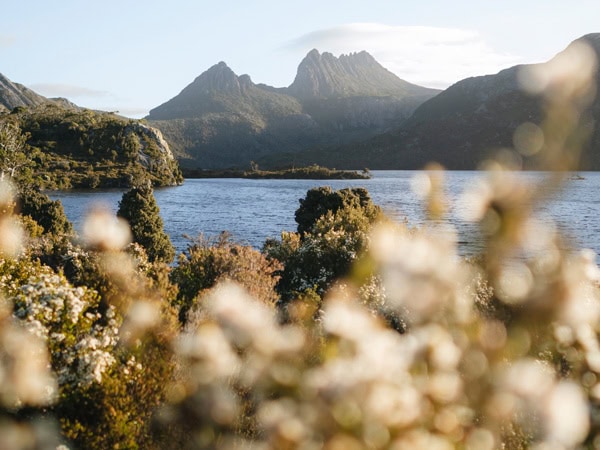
224	120
13	95
463	126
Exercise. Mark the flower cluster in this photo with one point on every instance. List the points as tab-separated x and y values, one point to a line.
67	318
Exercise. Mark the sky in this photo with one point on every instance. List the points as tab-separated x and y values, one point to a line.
131	56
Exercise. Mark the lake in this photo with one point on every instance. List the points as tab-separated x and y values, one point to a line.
253	210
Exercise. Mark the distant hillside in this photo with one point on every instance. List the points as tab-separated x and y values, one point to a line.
223	120
459	128
79	148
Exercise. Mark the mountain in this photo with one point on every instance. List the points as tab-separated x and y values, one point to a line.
322	76
220	91
14	94
224	120
463	126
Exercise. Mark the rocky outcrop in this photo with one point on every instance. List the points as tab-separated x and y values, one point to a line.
153	135
15	94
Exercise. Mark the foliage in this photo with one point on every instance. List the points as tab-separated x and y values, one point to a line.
314	172
209	262
13	144
77	148
333	228
49	214
138	206
102	384
320	200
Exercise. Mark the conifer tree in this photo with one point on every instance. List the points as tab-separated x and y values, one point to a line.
138	206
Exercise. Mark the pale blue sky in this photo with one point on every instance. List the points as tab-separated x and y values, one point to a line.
131	56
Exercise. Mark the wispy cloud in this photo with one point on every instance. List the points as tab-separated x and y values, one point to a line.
7	41
431	56
68	90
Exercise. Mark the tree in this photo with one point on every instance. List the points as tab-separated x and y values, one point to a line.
138	206
333	229
49	214
322	199
12	150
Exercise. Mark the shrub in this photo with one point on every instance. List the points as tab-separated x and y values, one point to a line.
210	261
48	213
319	201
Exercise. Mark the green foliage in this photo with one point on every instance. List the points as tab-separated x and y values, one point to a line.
332	232
73	148
49	214
319	201
106	391
333	228
138	206
209	262
13	144
322	255
313	172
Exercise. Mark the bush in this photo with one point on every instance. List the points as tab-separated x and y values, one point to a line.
319	201
48	213
208	262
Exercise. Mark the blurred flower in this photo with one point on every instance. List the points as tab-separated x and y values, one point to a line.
103	231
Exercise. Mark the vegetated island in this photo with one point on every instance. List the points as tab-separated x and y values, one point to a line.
313	172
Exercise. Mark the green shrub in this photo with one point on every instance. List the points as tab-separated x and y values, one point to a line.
48	213
319	201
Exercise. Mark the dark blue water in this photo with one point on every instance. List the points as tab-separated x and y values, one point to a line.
253	210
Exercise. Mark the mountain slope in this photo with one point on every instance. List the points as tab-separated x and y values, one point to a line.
223	120
72	147
220	90
463	126
15	94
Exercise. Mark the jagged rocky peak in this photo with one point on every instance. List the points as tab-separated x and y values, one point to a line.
323	75
15	94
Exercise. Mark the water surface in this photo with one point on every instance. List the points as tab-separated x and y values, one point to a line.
253	210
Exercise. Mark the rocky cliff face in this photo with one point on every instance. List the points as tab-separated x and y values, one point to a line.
323	75
223	120
14	94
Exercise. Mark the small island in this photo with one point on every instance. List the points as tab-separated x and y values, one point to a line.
313	172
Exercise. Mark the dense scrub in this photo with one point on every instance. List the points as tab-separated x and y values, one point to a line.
68	147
